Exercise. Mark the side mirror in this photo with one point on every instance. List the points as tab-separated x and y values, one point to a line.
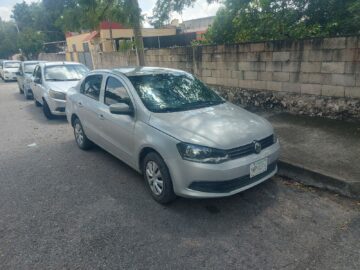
121	108
37	80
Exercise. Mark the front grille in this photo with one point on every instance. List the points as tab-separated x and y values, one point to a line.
230	185
249	149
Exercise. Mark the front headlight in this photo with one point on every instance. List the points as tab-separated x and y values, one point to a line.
57	95
202	154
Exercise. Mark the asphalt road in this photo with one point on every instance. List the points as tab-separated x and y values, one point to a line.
63	208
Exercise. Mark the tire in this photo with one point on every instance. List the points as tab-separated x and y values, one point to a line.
47	111
27	96
37	103
157	178
80	137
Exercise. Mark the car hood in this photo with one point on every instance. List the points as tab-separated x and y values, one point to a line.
63	86
223	126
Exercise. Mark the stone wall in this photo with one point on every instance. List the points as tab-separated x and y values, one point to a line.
314	76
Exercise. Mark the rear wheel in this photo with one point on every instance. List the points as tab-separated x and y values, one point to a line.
157	177
47	111
81	140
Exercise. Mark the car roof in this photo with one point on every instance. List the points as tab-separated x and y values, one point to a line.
141	71
49	64
16	61
33	62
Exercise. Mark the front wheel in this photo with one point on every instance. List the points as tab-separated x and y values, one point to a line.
81	140
37	103
47	111
157	177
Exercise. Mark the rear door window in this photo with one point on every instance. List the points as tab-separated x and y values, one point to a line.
91	86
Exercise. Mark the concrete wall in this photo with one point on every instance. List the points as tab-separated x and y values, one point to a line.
315	76
52	57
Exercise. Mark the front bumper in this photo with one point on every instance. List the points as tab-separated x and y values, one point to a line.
10	77
200	180
57	106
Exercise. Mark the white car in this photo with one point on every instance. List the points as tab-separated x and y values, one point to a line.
24	77
50	83
9	70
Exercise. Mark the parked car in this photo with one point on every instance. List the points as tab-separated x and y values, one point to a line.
50	83
183	137
24	77
1	60
9	69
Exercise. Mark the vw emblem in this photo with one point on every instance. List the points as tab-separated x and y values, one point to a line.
257	147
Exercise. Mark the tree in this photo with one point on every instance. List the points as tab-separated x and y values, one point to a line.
255	20
30	42
164	8
8	37
87	14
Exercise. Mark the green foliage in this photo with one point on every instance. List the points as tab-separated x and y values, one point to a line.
30	42
258	20
87	14
8	37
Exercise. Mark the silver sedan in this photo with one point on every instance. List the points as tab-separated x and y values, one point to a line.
166	124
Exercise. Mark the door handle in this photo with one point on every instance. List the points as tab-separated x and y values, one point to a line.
80	104
101	117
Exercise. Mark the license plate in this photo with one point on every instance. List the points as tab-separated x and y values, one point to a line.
258	167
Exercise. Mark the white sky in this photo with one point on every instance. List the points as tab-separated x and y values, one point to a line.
200	9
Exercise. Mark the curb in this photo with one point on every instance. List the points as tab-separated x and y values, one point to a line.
319	179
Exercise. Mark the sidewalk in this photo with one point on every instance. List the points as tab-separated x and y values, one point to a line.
319	152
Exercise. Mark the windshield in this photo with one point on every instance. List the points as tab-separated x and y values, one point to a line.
173	92
12	65
29	68
65	72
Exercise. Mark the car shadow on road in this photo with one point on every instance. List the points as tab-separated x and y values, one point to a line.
245	205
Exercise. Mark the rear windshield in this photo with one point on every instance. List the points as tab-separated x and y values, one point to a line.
29	68
65	72
11	64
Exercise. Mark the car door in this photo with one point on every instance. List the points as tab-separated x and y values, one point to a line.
87	106
118	130
35	82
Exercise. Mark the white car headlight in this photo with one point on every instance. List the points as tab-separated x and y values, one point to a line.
57	95
202	154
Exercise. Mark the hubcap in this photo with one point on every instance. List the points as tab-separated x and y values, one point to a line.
79	135
154	177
